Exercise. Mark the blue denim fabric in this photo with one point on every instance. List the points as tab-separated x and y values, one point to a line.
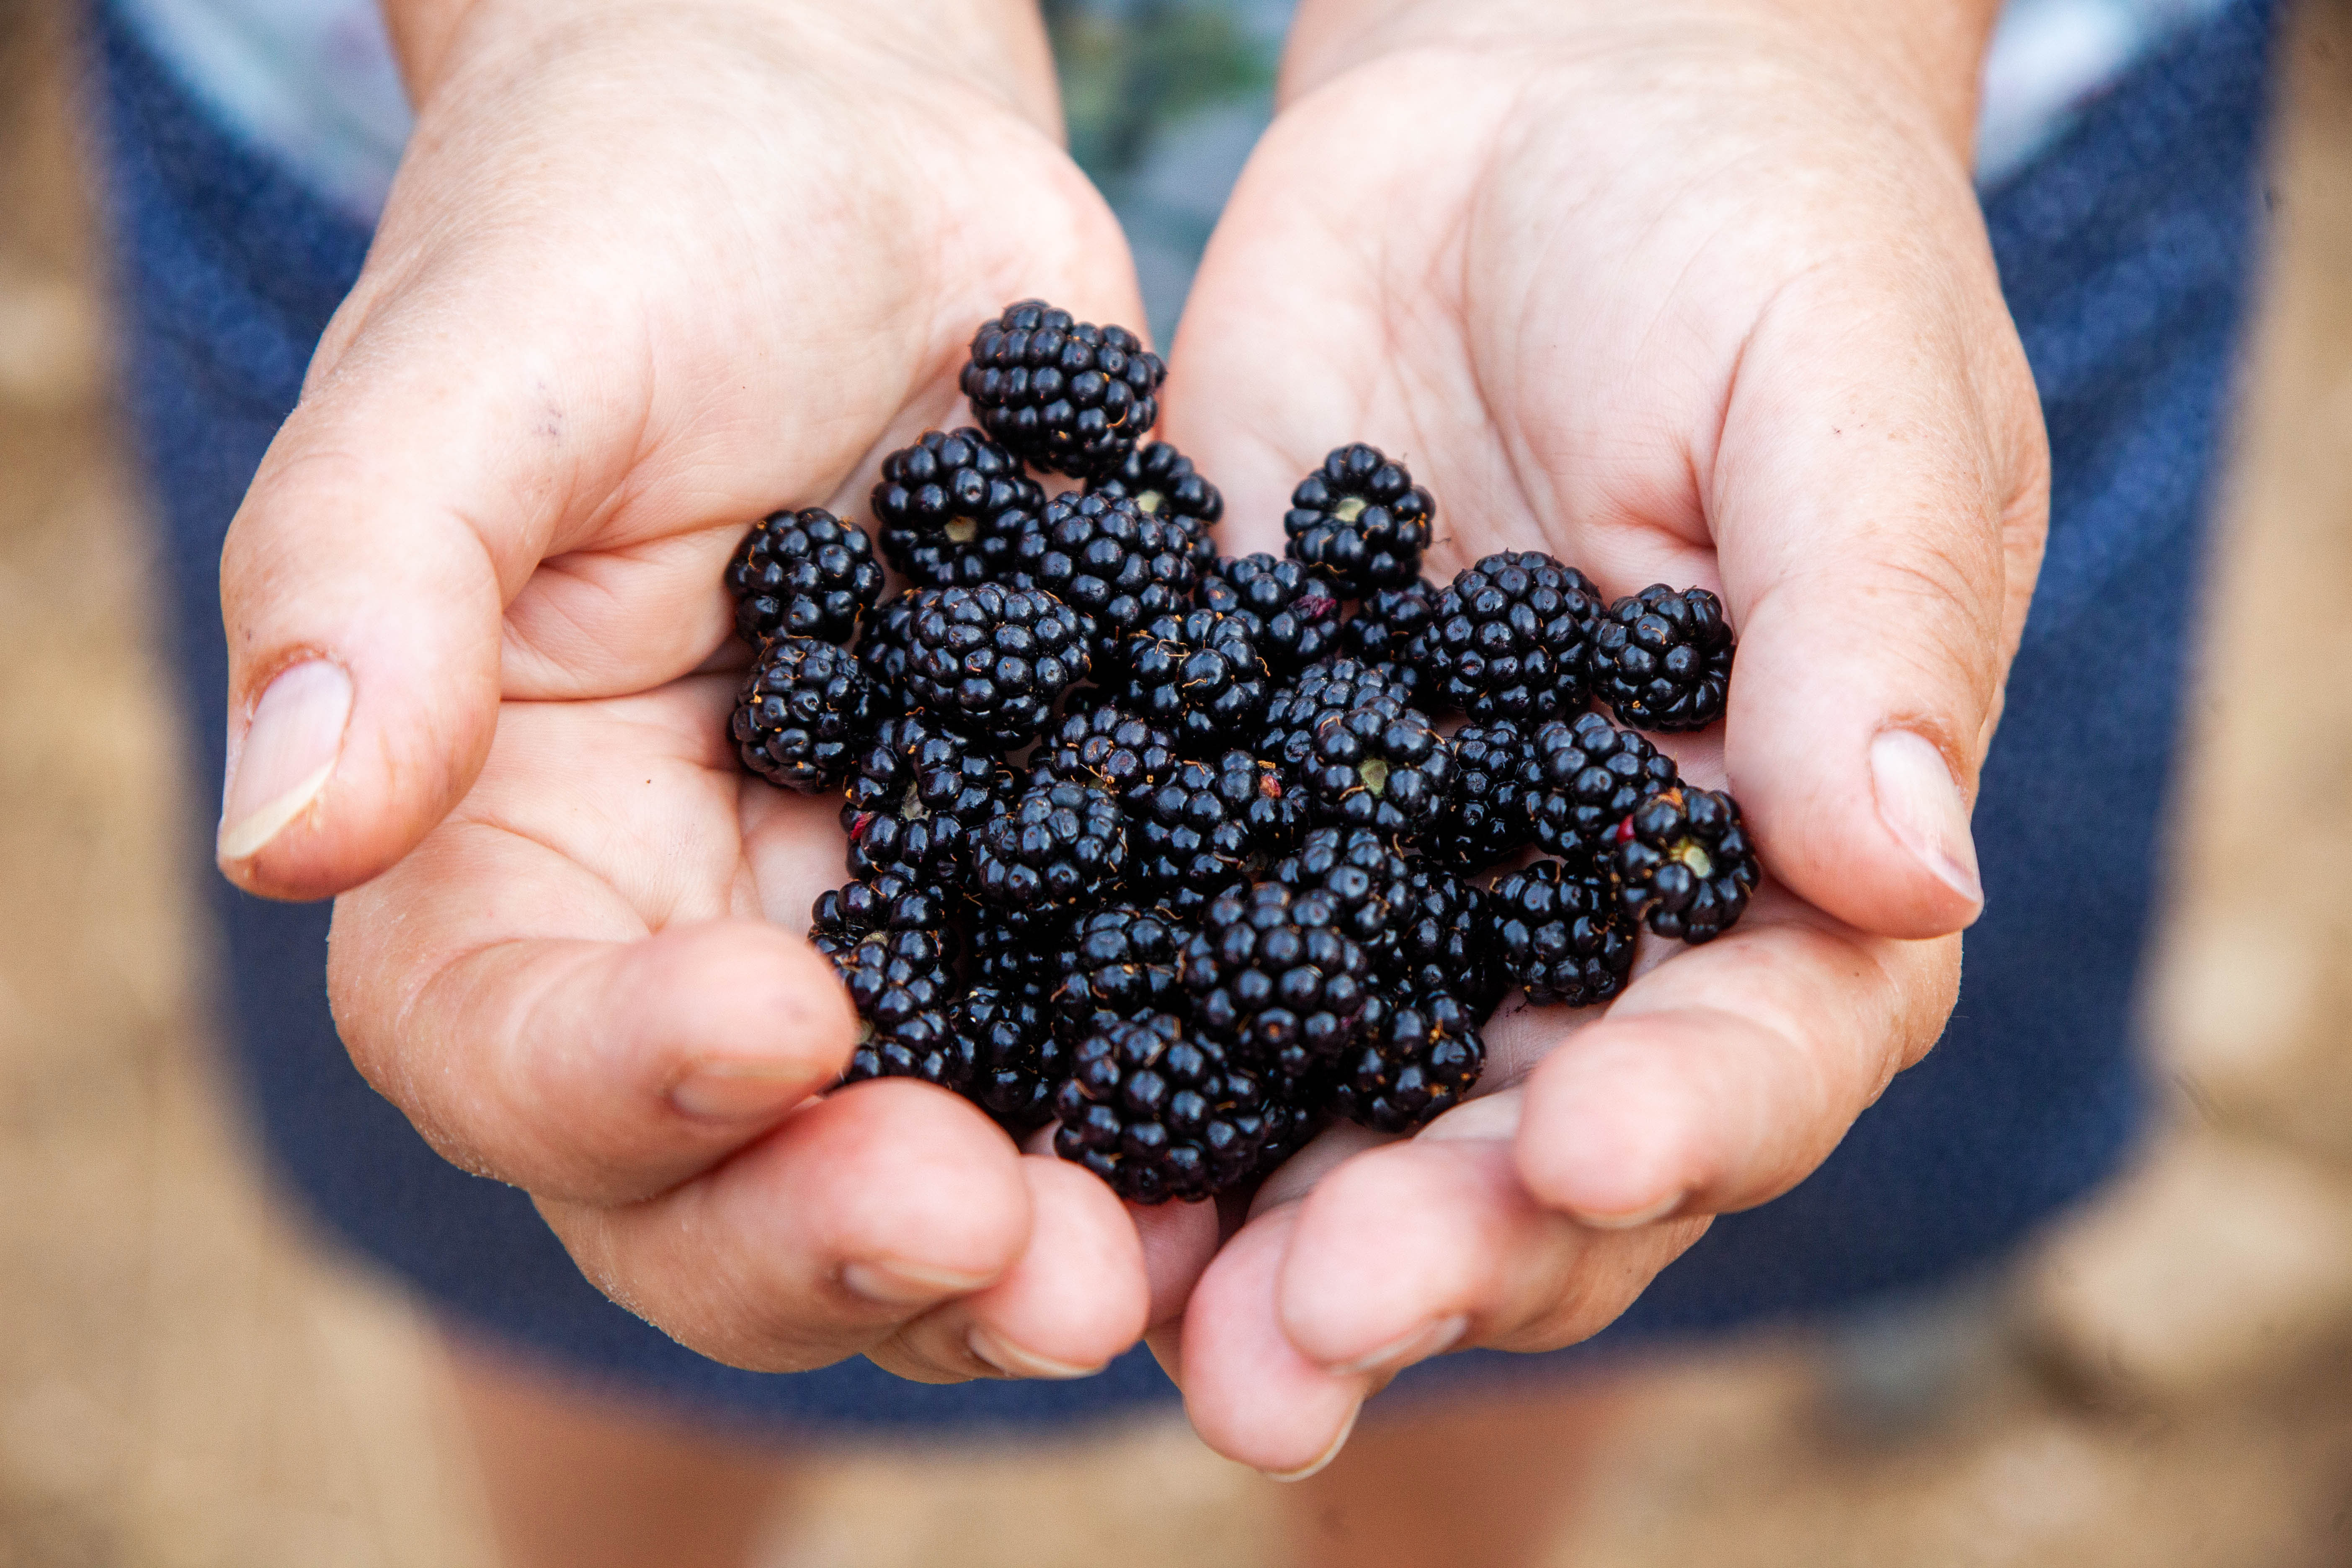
2126	251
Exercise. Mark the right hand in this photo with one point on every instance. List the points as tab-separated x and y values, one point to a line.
650	271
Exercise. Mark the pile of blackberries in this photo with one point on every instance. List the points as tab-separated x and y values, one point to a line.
1171	848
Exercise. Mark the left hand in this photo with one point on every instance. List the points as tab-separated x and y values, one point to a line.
1699	294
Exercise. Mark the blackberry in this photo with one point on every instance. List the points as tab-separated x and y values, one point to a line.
1381	630
1117	567
1662	660
1061	393
1367	882
1512	638
1360	520
889	634
1684	864
991	661
950	507
1378	767
804	709
1561	934
1445	932
1120	963
1198	676
802	574
1273	977
1019	952
1205	827
1332	686
1585	776
1423	1060
1107	746
1487	817
1291	615
1160	481
1295	1112
1010	1063
918	796
900	984
1159	1116
892	900
1061	846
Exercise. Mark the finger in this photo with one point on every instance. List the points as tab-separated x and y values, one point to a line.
1077	1297
1877	496
1721	1079
858	1213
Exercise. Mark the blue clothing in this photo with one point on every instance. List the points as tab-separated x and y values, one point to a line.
2126	251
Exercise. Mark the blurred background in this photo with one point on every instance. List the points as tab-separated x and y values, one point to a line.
187	1380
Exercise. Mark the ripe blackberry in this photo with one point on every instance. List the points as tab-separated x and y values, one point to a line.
1117	567
1381	630
1273	977
1585	776
1561	935
1019	952
1107	745
1205	827
950	507
1512	638
1378	767
1198	677
1120	961
1062	393
1160	481
1290	611
1010	1061
802	574
1367	882
1662	660
1423	1060
900	984
991	661
1361	520
1295	1112
892	900
1158	1115
918	796
1486	818
1684	864
804	709
1331	686
1061	846
1446	943
882	649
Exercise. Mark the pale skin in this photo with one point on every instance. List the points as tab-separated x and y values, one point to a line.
1695	294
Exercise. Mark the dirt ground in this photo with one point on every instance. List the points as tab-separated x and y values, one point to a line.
186	1382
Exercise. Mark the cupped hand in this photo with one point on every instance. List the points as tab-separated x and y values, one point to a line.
649	272
1687	293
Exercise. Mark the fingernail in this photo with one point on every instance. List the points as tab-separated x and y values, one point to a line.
1427	1340
898	1284
1631	1219
1013	1362
729	1092
1330	1454
288	752
1922	806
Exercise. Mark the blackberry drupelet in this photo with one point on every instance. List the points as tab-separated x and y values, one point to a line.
1368	881
919	795
1010	1061
1205	827
901	984
1062	845
950	507
1117	567
1360	520
1486	818
1684	864
1584	776
1161	482
1158	1115
1330	686
1107	745
1291	615
803	711
1273	977
1662	660
1561	934
1512	638
1446	939
1423	1060
1378	767
991	661
1120	961
1062	393
802	574
1381	630
1198	677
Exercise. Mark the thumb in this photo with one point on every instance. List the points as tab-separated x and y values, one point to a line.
1879	497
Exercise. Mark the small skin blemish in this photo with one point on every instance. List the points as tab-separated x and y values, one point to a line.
1350	509
963	529
1375	775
